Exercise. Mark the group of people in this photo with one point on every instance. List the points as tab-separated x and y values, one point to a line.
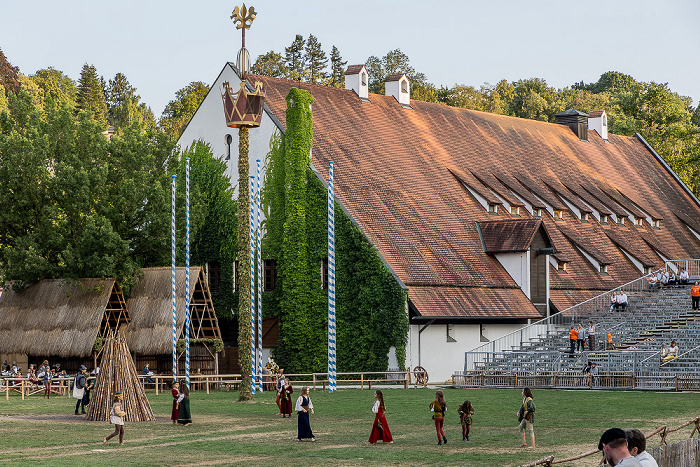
181	413
665	278
580	337
668	353
618	300
626	448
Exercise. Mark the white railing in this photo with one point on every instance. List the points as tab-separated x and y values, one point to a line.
561	322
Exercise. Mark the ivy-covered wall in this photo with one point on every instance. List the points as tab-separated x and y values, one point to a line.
370	304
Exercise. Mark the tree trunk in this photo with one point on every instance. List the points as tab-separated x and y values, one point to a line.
244	336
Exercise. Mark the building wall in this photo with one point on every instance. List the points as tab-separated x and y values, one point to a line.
517	265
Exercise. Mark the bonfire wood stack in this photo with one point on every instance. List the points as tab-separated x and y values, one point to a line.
118	373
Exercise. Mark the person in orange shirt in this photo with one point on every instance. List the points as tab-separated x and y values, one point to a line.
695	295
573	334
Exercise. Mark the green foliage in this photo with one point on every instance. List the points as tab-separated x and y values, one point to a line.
370	304
217	344
9	75
270	64
178	112
90	96
99	343
337	75
294	58
316	61
124	106
395	61
55	85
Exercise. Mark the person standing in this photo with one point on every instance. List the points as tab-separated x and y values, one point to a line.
116	417
465	412
613	443
573	335
184	416
280	382
47	383
526	417
580	337
380	429
303	406
438	407
695	295
286	398
79	384
175	413
591	336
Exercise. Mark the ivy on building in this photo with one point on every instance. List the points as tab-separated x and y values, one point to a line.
370	304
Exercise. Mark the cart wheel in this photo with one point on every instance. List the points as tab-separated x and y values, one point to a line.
421	376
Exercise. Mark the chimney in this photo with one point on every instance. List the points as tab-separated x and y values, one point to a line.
577	121
357	79
397	86
598	121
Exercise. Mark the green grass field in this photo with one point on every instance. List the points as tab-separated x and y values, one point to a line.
36	431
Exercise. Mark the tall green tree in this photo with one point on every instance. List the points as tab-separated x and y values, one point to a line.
56	85
270	64
124	106
179	111
533	99
337	75
9	75
295	59
316	61
395	61
90	96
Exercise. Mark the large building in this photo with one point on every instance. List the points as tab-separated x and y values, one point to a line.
488	221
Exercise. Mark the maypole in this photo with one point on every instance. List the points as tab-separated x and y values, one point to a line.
172	278
331	283
187	272
243	110
259	258
253	352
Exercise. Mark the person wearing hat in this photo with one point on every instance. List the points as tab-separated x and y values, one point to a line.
116	416
79	384
613	443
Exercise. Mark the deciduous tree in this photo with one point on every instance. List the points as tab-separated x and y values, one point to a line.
270	64
179	111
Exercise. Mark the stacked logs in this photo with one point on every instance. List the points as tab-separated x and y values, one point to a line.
118	373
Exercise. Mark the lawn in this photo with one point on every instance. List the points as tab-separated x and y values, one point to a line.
36	431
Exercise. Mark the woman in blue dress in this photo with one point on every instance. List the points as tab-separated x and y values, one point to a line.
303	406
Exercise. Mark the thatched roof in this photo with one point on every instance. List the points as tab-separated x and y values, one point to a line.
54	317
151	309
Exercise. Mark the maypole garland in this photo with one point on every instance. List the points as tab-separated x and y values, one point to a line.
259	239
331	284
172	279
187	273
253	352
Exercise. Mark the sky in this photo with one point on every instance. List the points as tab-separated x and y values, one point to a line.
162	46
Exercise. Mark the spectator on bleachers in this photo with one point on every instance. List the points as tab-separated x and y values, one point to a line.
664	278
591	336
659	278
580	337
622	300
652	282
663	352
683	277
672	280
637	445
572	339
613	301
592	374
695	295
672	352
609	344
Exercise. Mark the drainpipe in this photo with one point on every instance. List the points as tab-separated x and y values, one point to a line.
419	333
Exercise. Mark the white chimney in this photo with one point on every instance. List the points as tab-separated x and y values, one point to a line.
398	86
598	121
357	79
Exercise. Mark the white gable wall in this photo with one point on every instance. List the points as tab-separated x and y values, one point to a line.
518	266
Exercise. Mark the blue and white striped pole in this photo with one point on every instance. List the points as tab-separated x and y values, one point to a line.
331	283
187	273
252	286
259	352
172	281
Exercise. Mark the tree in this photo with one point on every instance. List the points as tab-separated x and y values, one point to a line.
3	99
124	107
533	99
270	64
9	75
466	97
316	61
55	85
33	90
395	61
337	76
90	96
294	58
178	112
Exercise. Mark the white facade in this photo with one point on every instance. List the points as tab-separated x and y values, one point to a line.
600	125
399	90
518	266
358	82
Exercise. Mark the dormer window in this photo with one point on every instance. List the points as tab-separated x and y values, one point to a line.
621	220
537	212
603	268
493	208
515	211
604	219
639	222
363	78
584	217
558	214
656	223
561	266
404	85
647	270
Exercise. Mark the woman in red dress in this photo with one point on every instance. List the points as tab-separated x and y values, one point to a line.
286	399
380	430
176	410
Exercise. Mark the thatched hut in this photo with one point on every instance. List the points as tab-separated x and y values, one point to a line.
150	336
63	321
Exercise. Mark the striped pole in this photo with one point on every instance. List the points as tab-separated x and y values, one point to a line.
172	281
252	287
187	273
259	357
331	283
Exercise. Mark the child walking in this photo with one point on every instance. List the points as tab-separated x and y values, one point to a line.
116	416
380	429
438	407
465	412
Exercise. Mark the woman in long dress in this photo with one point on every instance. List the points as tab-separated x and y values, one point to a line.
286	399
303	406
184	415
174	415
380	429
116	416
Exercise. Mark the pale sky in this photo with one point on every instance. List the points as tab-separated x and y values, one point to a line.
163	46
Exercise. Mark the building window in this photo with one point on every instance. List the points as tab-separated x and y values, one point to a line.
451	333
270	274
584	217
404	85
621	220
493	208
557	214
604	219
603	268
214	272
363	77
656	223
639	222
537	212
561	266
235	276
515	211
324	273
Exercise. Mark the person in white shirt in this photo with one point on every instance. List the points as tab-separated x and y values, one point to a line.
652	282
683	277
613	443
672	352
637	444
622	300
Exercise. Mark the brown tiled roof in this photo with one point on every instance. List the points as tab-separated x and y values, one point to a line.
353	69
395	77
399	173
508	234
596	114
